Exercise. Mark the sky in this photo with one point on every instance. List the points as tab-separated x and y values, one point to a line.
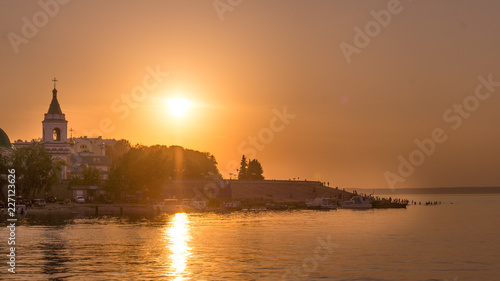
359	94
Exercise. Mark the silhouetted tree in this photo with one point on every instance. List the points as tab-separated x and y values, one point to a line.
255	170
243	171
118	150
90	176
35	169
144	168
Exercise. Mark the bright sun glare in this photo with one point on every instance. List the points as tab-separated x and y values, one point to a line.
178	106
178	237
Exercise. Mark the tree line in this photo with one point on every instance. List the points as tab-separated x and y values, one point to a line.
147	168
250	169
134	168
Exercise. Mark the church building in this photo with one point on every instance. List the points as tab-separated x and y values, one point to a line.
74	152
55	133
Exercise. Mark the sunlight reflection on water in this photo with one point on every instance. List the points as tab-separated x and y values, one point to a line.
176	236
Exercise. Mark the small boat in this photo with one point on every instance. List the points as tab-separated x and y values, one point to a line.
169	206
232	206
357	202
194	205
186	205
322	203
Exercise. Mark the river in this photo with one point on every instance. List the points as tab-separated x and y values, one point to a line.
458	241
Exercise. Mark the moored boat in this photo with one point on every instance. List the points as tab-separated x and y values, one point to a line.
169	206
232	206
322	203
176	205
194	205
357	202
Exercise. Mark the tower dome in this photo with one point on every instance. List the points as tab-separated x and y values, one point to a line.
54	107
4	140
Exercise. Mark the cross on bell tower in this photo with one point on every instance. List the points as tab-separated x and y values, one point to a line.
55	81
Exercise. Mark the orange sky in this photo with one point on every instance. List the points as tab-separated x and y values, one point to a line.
352	119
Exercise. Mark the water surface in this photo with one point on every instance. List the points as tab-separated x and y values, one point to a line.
458	241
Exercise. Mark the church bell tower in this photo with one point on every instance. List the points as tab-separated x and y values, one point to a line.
55	134
55	126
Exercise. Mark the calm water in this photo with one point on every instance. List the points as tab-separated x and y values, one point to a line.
459	241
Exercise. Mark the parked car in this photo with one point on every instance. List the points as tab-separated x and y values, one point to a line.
79	199
39	202
51	199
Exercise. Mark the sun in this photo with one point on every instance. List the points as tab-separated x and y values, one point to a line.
178	106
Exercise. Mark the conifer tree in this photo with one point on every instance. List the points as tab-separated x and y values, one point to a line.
243	171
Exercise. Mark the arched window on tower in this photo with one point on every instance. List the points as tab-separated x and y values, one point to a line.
56	134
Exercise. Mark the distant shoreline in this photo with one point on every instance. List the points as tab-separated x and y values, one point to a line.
433	190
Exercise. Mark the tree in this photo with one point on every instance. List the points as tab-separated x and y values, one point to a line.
90	176
243	172
255	170
115	182
118	150
35	169
144	168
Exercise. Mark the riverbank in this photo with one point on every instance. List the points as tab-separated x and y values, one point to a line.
93	209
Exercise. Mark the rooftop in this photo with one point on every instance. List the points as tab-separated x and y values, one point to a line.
54	105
